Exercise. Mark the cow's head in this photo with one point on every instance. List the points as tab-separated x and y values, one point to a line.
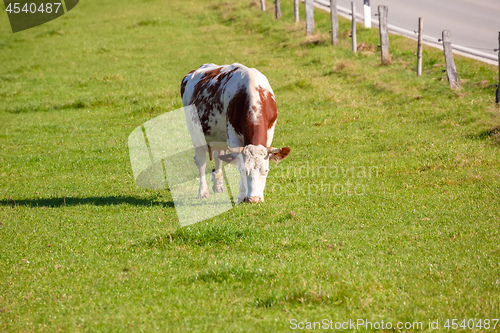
253	164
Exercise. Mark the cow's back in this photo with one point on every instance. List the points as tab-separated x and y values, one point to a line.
231	100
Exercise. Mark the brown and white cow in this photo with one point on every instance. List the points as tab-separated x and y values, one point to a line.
237	111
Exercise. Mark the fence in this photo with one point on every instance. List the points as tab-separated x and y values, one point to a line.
451	70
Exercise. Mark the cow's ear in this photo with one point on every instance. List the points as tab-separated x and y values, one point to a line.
228	158
283	153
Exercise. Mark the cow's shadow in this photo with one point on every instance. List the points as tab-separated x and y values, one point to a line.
78	201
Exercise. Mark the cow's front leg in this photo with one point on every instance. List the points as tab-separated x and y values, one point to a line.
243	187
217	177
200	159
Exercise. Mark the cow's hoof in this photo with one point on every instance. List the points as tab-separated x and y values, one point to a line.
218	182
218	188
203	195
253	199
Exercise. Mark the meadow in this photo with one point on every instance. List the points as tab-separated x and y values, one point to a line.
387	209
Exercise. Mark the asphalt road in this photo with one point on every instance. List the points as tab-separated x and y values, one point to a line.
474	24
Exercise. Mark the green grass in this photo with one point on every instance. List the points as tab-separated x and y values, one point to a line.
387	208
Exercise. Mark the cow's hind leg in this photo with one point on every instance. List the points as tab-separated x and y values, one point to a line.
217	177
200	159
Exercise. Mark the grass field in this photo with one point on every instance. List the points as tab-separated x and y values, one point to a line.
387	209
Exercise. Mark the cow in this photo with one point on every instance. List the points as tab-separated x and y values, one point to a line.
237	111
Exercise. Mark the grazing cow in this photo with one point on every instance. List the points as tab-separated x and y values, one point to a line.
237	111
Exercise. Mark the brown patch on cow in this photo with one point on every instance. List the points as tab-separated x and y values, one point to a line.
183	86
258	133
237	115
209	76
277	157
267	117
268	107
184	82
227	75
284	152
207	97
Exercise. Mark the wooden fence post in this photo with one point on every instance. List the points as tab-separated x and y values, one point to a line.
368	13
335	22
296	10
277	8
263	5
309	17
353	27
384	35
451	71
419	47
497	99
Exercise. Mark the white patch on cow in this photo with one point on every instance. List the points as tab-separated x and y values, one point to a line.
233	138
253	165
255	105
257	81
270	134
254	159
